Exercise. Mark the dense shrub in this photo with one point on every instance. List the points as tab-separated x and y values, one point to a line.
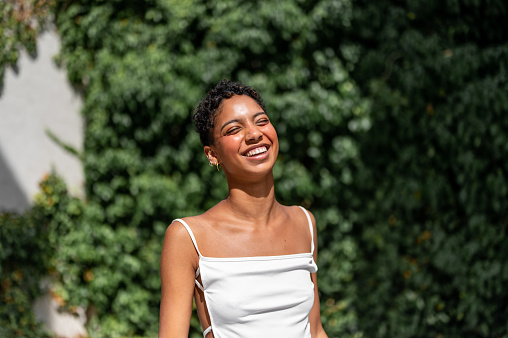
27	247
20	271
433	229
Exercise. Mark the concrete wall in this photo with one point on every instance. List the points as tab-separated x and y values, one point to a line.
36	98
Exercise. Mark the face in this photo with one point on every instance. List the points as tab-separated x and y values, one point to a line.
245	140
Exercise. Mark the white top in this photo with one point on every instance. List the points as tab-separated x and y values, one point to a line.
261	296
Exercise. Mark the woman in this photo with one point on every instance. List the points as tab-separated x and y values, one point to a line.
249	261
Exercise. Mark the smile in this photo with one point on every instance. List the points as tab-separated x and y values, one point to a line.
256	151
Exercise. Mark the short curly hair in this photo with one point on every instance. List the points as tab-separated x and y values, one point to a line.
206	111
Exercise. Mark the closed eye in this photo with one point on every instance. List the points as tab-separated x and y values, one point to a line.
232	131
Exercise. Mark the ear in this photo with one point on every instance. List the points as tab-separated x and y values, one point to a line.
210	154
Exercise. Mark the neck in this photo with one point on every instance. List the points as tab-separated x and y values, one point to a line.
253	201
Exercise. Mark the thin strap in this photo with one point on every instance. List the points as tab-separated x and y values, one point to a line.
207	331
190	234
196	281
199	285
311	230
196	246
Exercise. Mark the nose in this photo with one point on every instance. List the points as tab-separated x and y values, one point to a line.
253	133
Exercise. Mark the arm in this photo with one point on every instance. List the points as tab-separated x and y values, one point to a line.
178	266
316	327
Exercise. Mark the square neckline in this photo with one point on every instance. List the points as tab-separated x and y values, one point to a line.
253	258
257	258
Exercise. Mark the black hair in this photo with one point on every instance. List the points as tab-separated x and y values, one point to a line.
206	111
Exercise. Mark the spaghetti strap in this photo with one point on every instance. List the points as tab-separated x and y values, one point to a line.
196	246
191	236
311	229
207	331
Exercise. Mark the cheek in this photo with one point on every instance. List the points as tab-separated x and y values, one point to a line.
230	143
270	132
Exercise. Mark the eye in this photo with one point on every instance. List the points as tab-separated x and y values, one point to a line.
263	121
232	131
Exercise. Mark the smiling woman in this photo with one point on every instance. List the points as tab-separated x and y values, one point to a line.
244	139
249	262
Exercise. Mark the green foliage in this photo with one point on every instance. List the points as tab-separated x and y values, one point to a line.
20	21
433	228
143	68
24	260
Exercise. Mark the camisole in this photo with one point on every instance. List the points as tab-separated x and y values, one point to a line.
260	296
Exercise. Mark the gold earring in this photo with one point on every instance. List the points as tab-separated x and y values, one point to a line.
218	166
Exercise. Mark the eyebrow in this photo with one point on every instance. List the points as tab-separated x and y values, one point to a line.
236	120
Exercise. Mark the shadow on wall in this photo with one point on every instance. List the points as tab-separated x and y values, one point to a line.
36	98
12	197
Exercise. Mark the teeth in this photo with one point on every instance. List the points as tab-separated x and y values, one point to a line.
256	151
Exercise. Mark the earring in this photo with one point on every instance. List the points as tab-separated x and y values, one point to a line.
217	164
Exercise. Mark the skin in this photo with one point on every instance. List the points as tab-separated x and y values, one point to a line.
249	222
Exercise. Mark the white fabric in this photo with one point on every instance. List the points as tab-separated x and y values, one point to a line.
263	296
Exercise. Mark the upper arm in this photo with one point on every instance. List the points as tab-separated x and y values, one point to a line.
178	266
315	314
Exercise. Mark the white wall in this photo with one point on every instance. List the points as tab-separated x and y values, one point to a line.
37	98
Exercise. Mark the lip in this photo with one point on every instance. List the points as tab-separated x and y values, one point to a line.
254	147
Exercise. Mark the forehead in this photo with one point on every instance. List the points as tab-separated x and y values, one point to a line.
238	105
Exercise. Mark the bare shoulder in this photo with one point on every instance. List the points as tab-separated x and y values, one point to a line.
313	221
178	243
177	230
193	222
310	216
300	216
298	212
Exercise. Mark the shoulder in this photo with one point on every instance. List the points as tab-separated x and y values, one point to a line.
303	217
298	210
311	221
178	243
176	230
182	228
